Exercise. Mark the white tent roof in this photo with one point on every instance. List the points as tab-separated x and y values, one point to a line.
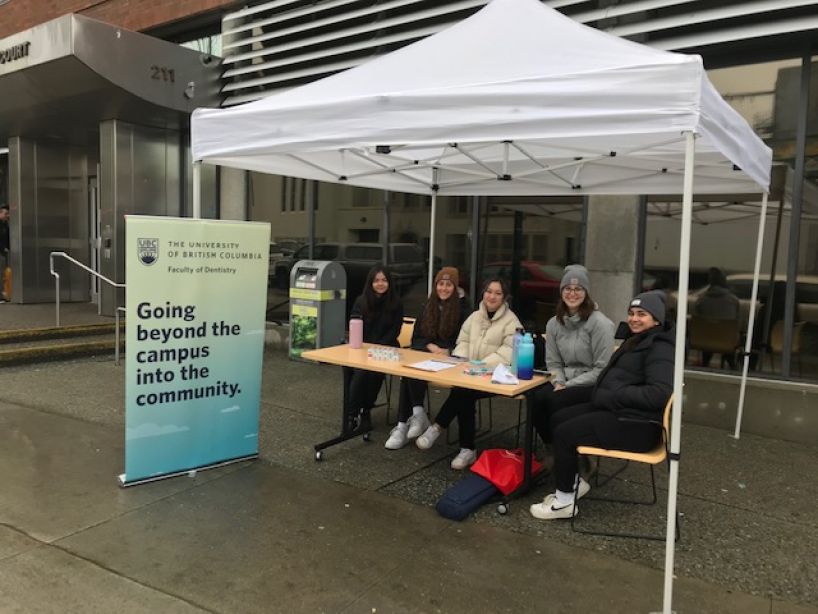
516	99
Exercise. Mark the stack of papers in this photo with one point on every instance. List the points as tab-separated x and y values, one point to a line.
432	365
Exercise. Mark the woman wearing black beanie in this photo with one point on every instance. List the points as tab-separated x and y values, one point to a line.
625	410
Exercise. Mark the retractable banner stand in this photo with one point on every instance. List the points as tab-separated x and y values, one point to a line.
196	300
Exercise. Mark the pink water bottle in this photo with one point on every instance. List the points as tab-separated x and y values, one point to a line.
356	333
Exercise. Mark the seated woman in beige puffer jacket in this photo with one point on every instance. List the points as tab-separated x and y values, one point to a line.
487	336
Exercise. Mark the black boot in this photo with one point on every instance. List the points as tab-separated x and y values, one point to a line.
363	421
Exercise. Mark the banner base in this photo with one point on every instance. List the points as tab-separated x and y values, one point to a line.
123	482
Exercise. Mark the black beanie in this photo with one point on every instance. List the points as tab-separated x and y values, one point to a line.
653	302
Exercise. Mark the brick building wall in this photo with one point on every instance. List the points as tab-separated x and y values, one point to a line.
137	15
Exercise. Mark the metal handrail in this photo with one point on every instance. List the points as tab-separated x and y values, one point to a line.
92	272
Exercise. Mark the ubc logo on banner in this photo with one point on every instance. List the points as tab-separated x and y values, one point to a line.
148	251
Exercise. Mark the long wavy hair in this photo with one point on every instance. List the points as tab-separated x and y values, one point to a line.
441	319
375	303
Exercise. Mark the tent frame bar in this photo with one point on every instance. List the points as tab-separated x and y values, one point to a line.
748	344
678	368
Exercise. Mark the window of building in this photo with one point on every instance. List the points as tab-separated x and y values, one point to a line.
499	247
723	240
210	44
538	247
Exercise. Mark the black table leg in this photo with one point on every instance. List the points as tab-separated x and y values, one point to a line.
528	447
351	425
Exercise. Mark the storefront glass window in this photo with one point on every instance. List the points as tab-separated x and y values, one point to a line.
547	239
724	233
804	357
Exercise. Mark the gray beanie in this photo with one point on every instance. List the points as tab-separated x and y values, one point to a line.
576	275
653	302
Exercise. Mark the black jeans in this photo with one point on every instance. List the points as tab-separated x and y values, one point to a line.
363	390
584	425
461	404
412	393
547	402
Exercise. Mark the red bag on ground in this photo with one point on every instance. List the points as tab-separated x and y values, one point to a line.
504	468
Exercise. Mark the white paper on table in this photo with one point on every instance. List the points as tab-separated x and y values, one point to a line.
432	365
503	375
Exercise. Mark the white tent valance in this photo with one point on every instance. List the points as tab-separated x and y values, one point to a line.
516	99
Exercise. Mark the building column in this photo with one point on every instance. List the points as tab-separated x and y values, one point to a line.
611	251
232	194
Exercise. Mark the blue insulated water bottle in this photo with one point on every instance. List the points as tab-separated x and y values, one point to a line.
525	358
515	349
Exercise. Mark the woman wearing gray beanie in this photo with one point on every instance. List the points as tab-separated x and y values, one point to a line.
625	408
579	343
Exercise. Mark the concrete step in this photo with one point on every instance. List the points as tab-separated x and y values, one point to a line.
58	332
28	349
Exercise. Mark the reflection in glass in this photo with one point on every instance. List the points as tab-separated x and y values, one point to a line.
724	234
531	258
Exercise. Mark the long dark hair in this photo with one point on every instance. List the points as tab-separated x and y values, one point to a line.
376	303
585	309
441	319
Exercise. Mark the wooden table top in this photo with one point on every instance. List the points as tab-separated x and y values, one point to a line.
345	356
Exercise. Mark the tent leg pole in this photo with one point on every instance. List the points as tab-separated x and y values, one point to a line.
678	368
197	190
748	344
432	234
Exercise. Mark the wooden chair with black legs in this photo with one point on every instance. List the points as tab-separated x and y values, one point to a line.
713	336
777	342
651	458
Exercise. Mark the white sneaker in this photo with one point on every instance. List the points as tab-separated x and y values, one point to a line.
417	425
584	489
430	435
463	459
397	438
550	509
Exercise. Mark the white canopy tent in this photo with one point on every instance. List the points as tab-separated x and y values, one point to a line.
515	100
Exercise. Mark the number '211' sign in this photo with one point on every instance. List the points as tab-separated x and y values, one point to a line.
163	73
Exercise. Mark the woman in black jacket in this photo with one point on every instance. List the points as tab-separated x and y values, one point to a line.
435	331
625	411
382	312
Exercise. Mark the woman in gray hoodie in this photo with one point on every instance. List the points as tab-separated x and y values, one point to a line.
579	342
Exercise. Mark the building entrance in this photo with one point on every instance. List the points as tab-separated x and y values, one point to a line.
93	135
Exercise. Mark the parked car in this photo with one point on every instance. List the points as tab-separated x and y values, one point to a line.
806	293
280	250
405	260
538	282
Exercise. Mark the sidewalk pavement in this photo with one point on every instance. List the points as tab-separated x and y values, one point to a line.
357	532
